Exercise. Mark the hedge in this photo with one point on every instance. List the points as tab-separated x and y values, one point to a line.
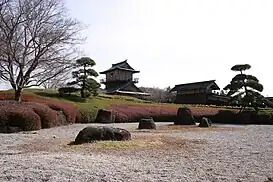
27	115
131	113
69	110
167	113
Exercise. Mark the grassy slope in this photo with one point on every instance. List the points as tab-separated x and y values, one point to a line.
91	105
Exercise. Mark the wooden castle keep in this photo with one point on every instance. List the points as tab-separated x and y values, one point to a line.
119	80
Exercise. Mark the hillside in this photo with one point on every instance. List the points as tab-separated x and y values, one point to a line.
121	105
126	109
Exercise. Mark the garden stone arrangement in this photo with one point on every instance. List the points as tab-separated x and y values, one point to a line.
184	117
205	122
147	123
105	116
239	153
101	133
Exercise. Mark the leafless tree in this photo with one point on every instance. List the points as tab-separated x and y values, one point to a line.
57	82
158	94
38	42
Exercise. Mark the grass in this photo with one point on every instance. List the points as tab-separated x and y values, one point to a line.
91	105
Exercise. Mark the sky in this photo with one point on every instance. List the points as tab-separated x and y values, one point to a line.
179	41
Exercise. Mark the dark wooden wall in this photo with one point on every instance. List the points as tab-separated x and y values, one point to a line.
195	98
200	98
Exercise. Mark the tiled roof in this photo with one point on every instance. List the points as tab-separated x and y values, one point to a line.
122	87
121	66
196	85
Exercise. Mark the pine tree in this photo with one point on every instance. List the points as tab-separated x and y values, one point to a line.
245	89
83	76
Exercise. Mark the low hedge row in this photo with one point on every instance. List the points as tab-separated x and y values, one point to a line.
36	112
69	110
160	113
29	115
132	113
247	117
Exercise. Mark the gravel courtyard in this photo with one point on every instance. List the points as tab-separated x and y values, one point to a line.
227	153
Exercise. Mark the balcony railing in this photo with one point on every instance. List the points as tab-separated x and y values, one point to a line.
135	80
102	80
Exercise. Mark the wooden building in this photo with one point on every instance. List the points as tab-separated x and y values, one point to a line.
199	93
119	80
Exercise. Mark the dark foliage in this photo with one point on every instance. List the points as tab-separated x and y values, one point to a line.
67	90
84	77
244	89
29	115
69	110
72	97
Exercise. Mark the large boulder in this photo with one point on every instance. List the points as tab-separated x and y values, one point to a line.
147	123
184	117
105	116
99	133
205	122
9	129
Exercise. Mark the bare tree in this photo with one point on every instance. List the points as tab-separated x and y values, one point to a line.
37	42
57	82
158	94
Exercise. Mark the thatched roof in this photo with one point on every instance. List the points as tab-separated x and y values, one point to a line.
124	65
196	85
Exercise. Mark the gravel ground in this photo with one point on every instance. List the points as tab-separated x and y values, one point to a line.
242	155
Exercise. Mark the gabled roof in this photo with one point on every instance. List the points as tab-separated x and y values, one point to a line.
196	85
124	65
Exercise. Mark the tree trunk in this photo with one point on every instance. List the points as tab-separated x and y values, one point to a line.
83	82
18	94
82	93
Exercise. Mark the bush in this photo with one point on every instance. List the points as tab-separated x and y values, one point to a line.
69	110
64	90
29	115
224	116
83	116
160	113
49	117
246	117
19	115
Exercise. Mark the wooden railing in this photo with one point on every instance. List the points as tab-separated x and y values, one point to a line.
136	80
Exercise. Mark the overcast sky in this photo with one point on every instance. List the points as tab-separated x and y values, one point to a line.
179	41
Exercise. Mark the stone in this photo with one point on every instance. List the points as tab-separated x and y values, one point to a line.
184	117
269	179
147	123
105	116
101	133
10	129
205	122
